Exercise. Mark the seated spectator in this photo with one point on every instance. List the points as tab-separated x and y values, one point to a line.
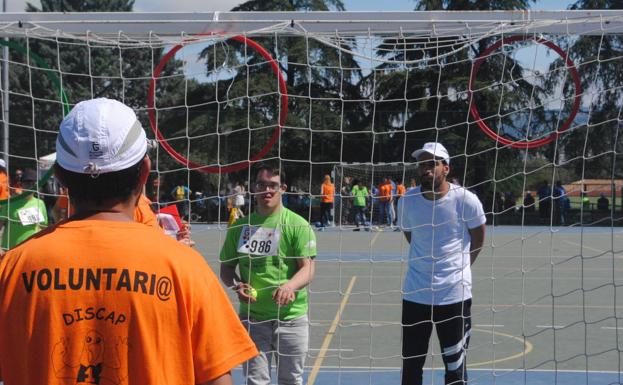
603	204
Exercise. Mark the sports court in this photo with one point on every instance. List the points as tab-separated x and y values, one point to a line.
546	302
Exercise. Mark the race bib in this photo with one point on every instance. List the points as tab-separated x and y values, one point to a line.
259	241
30	216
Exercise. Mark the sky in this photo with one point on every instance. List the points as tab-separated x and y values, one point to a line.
226	5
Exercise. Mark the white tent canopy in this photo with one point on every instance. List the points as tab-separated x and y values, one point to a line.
46	162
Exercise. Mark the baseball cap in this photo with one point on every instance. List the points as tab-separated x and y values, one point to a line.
2	163
434	148
100	136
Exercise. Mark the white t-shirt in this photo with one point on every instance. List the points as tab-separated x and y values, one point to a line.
239	199
439	261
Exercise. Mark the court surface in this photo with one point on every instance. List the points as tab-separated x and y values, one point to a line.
547	306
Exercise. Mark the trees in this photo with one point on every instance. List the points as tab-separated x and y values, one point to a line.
318	79
594	148
430	100
48	76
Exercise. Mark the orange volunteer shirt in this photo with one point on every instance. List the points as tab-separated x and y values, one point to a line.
385	192
4	186
144	214
114	303
400	190
328	191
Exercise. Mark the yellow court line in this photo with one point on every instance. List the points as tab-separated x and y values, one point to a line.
329	336
528	347
374	238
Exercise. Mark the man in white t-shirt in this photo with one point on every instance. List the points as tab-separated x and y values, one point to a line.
445	226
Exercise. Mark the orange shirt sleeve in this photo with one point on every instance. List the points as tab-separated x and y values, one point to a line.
219	341
144	214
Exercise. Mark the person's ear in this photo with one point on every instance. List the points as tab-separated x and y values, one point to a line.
144	173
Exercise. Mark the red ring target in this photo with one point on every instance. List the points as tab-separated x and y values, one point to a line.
525	143
238	165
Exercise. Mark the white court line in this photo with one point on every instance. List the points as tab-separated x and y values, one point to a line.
334	350
489	326
611	328
551	326
584	246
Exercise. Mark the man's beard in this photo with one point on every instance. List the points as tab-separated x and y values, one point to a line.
433	184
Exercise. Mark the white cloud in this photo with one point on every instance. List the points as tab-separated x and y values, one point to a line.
185	5
20	5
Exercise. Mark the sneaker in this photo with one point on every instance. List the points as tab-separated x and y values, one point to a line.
357	229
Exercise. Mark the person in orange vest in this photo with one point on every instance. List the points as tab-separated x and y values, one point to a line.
327	190
400	191
385	202
4	181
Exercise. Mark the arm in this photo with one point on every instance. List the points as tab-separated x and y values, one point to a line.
286	293
477	235
231	279
225	379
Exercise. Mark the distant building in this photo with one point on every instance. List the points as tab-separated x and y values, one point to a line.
594	187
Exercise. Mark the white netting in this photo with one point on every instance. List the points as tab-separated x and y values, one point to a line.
518	109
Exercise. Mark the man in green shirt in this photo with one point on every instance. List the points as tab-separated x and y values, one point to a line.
22	216
360	195
274	251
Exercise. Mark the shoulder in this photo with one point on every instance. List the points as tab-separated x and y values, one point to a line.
463	195
292	218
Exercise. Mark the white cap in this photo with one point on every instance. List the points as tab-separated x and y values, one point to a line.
433	148
100	136
2	163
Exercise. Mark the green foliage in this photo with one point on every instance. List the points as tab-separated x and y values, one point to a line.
82	6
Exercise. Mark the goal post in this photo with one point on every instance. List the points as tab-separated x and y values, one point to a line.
528	104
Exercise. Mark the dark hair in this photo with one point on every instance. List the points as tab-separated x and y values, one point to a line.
269	168
110	188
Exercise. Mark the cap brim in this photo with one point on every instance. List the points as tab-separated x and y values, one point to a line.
419	152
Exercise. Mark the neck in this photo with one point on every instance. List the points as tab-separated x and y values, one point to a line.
119	212
266	211
439	193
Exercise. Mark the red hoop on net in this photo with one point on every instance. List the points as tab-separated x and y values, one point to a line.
238	165
525	143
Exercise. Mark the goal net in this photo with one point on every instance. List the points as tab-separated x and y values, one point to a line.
370	176
528	105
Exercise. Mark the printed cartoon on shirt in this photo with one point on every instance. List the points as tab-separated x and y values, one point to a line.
98	361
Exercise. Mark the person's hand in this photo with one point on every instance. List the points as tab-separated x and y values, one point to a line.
184	235
244	292
284	295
